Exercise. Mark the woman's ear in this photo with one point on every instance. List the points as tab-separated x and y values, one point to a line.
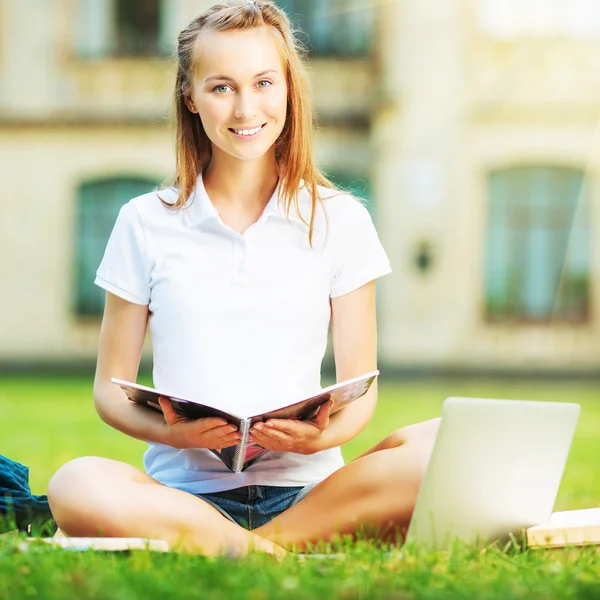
190	105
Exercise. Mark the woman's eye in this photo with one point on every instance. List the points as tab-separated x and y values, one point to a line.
220	89
268	83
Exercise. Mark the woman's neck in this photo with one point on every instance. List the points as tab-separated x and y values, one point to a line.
236	185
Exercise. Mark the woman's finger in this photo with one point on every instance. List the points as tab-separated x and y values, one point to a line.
213	423
258	437
289	426
272	434
224	433
322	419
223	443
168	411
265	442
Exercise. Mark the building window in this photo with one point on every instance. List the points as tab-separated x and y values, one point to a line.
137	27
353	184
125	28
97	209
538	245
538	18
333	27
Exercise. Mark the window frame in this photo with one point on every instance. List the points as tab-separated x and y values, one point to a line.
300	19
513	19
87	299
98	32
581	213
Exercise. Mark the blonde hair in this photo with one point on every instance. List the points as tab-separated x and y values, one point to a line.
293	148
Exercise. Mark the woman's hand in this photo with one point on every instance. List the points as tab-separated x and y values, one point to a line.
290	435
212	432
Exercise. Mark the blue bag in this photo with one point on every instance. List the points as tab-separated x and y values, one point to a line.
19	508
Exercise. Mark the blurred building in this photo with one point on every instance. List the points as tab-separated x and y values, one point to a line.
470	126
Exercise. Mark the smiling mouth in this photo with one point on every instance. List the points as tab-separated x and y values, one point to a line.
248	132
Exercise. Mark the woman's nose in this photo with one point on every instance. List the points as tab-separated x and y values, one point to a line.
244	107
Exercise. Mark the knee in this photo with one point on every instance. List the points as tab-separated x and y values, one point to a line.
417	435
70	477
71	493
393	440
410	452
417	446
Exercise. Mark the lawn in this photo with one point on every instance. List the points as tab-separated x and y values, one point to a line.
47	421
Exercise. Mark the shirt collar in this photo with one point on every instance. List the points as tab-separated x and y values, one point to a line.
199	207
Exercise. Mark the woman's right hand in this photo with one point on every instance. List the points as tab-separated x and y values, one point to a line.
213	432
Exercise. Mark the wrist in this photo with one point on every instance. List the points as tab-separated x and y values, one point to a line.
169	439
319	444
328	439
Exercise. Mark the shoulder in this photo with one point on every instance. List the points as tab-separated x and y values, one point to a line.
147	207
335	203
343	208
152	201
339	215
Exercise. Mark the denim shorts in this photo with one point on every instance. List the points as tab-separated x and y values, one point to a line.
255	505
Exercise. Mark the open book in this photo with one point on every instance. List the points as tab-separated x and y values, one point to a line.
97	543
241	456
567	528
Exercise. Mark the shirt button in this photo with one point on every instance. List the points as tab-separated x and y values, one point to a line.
240	257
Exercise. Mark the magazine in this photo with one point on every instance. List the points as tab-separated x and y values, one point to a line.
239	457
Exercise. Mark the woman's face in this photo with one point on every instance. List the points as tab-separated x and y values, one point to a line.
240	91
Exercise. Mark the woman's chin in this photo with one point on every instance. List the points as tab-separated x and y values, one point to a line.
248	154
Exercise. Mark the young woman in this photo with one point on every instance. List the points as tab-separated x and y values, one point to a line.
238	270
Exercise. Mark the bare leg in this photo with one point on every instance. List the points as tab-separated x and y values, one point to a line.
377	490
100	497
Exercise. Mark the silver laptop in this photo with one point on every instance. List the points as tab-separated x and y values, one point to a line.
495	469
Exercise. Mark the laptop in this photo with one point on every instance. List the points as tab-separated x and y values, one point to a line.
495	469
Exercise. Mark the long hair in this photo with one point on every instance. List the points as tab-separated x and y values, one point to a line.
293	148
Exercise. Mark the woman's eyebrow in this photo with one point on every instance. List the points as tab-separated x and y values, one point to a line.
225	78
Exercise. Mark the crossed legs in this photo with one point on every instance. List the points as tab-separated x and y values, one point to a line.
92	497
100	497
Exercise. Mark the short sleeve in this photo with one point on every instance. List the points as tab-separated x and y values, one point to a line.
125	270
360	257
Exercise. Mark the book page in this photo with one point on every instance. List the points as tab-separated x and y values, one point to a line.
341	393
227	455
96	543
253	452
186	408
586	517
191	410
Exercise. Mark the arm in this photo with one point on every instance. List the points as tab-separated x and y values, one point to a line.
121	340
354	335
119	351
354	332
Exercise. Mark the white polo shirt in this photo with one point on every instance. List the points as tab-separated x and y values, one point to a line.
239	320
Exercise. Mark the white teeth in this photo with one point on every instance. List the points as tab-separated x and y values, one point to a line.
247	131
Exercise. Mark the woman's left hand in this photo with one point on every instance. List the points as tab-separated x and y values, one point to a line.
291	435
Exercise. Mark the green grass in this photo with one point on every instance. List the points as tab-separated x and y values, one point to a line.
47	421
